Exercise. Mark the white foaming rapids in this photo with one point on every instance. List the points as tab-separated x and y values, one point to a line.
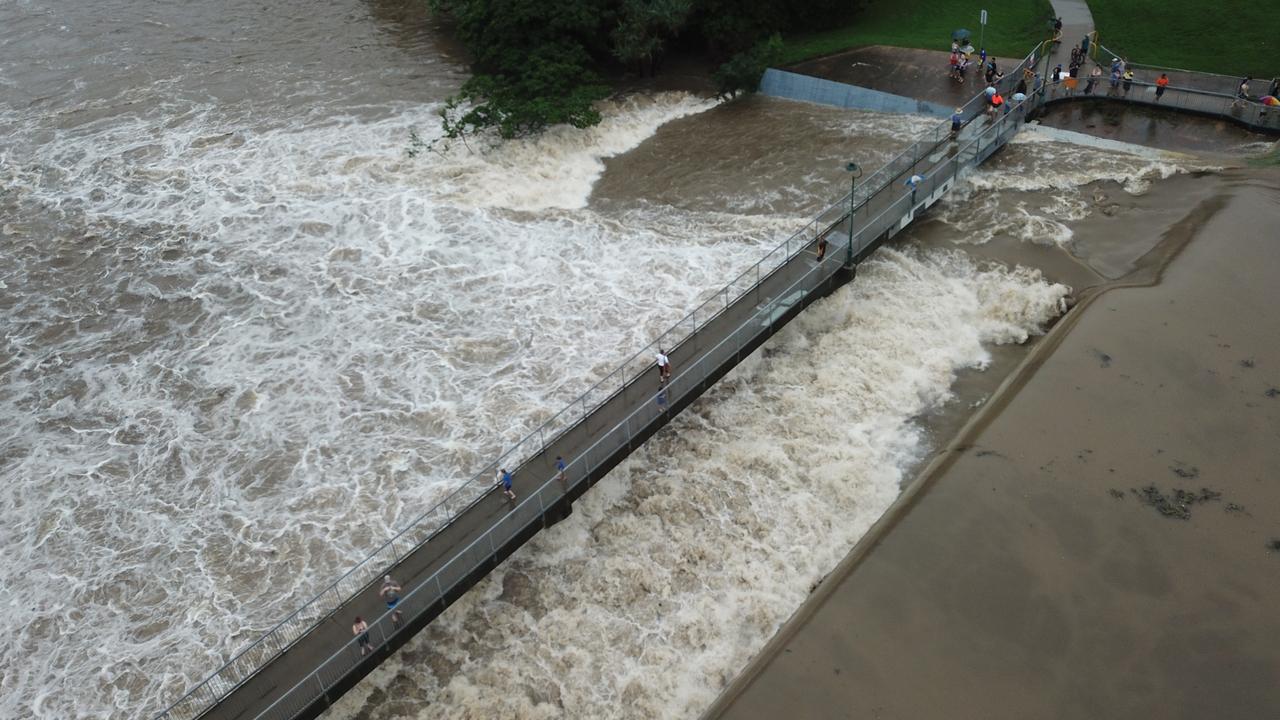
239	357
558	168
677	567
1047	170
1053	161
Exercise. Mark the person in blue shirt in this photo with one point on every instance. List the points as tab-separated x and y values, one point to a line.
504	478
957	122
560	468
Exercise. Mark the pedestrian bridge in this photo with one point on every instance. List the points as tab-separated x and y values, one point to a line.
308	660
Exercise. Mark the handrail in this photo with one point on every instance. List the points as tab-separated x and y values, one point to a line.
457	502
1235	79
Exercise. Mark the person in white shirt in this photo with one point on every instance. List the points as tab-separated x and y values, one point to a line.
664	365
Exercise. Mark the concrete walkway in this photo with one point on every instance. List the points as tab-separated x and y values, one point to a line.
1077	22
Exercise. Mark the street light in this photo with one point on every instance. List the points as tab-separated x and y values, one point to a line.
855	172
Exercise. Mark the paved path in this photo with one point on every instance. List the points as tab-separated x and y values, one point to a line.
1077	22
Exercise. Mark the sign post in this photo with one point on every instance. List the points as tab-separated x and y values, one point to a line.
983	30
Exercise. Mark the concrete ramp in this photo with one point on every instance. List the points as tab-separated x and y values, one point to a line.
783	84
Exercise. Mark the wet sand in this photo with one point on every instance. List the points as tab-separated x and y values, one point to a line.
1026	572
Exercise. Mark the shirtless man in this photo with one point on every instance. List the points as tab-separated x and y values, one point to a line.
360	629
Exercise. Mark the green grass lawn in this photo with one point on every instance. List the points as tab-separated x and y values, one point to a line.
1232	37
1013	27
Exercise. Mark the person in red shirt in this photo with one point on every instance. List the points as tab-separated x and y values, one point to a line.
1161	84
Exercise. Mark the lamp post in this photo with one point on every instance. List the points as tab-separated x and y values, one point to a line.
855	172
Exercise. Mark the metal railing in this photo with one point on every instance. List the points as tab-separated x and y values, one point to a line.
245	663
1188	91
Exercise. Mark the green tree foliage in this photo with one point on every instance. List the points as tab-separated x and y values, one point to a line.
643	29
743	71
537	63
553	86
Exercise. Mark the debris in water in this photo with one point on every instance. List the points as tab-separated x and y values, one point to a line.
1117	494
1103	358
1247	363
1234	508
1274	544
1273	392
1185	471
1178	503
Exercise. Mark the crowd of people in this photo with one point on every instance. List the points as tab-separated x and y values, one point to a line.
1080	75
963	60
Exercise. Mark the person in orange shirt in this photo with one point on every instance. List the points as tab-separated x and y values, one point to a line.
1161	84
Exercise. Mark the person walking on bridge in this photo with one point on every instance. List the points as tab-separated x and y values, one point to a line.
560	468
1161	83
957	122
360	629
664	366
390	593
504	479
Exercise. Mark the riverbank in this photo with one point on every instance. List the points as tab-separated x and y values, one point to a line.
1044	564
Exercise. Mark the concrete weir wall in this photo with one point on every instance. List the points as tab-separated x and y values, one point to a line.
783	84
